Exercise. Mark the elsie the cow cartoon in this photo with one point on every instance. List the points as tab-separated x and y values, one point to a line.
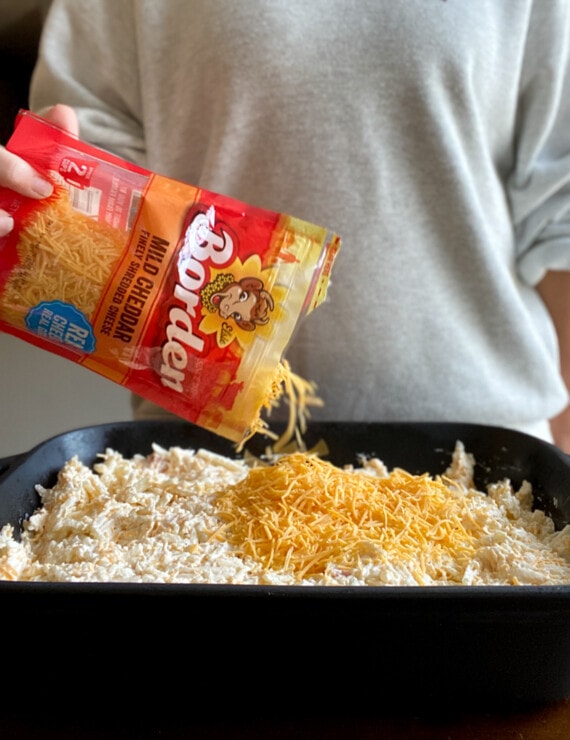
246	302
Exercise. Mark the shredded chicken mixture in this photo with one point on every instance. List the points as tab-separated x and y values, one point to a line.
192	516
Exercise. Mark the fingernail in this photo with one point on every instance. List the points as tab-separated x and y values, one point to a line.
6	224
42	188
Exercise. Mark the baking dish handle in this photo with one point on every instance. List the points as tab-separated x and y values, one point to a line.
7	463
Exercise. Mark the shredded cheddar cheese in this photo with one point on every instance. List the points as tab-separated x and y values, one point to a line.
303	513
300	395
65	256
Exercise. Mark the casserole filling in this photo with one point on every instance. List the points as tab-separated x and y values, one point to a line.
193	516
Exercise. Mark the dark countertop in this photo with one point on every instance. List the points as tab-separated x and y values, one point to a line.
550	722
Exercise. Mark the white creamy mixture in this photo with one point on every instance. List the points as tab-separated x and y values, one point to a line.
154	519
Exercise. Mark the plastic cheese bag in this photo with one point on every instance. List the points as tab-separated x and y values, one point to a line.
186	297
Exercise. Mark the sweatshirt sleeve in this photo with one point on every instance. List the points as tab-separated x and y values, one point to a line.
88	60
539	188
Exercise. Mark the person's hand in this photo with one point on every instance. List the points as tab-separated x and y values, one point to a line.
19	176
560	427
554	289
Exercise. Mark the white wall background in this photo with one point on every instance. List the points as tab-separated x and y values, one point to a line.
42	395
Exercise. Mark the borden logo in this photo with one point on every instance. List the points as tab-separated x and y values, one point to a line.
204	242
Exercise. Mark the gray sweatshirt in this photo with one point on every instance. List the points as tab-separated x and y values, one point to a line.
432	135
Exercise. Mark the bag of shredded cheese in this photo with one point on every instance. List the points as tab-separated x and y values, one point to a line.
186	297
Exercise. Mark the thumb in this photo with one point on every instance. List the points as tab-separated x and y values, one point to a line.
63	116
18	175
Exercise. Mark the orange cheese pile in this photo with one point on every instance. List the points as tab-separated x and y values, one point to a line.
303	513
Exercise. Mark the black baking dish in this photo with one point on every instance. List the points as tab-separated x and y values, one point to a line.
298	648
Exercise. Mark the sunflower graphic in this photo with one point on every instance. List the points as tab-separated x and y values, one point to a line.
242	303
